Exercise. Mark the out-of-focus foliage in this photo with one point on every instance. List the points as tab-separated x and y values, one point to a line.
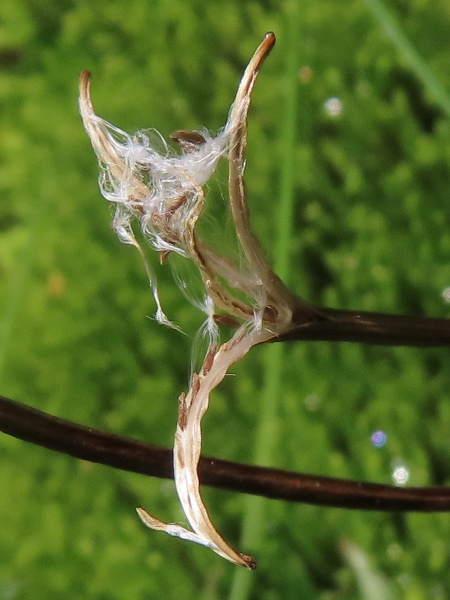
372	213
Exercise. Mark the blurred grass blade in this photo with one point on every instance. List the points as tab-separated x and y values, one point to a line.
372	585
410	54
253	527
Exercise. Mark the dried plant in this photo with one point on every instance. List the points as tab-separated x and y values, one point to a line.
165	192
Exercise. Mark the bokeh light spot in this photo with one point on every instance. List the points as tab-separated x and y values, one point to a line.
378	439
400	475
334	107
446	294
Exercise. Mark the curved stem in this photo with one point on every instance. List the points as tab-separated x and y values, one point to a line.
31	425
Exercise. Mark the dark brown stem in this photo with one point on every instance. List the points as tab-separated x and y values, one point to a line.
332	325
39	428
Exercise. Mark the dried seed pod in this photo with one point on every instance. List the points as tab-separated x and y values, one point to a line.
165	192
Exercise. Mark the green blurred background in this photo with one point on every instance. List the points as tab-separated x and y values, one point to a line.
369	229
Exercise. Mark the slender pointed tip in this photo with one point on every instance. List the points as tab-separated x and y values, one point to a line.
249	562
141	512
268	42
85	82
148	520
85	77
251	565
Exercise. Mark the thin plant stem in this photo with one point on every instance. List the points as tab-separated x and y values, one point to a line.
59	435
410	54
253	523
334	325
